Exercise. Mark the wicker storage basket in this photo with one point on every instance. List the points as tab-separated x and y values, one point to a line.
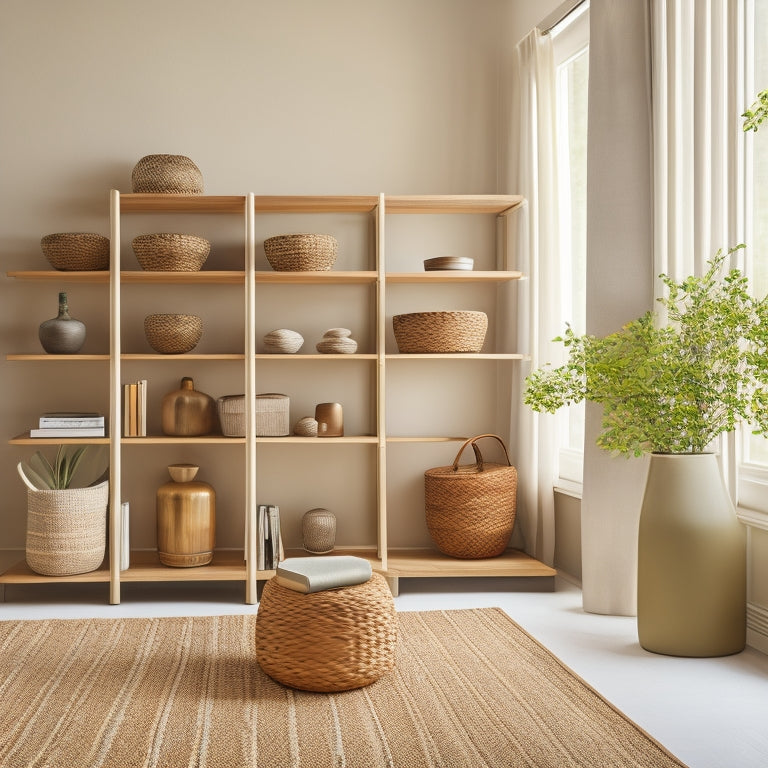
71	251
173	334
232	415
67	530
332	640
167	174
272	415
435	332
171	252
301	253
470	509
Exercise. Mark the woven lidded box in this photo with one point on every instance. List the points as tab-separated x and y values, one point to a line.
272	415
232	415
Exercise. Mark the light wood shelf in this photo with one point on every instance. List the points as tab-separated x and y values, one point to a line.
25	439
59	276
426	204
453	276
429	563
330	277
204	277
227	565
58	358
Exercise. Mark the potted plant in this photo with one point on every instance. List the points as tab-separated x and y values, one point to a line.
669	384
66	509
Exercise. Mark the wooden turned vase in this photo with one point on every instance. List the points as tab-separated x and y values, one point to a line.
186	519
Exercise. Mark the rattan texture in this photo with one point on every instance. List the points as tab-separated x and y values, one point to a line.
232	415
66	530
328	641
283	341
470	512
318	530
171	252
167	174
173	334
272	415
301	252
74	251
440	332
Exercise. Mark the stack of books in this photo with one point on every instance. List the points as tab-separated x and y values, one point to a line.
69	424
270	545
135	409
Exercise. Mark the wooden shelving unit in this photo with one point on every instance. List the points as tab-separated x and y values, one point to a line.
380	361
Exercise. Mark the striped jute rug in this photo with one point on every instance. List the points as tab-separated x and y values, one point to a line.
471	689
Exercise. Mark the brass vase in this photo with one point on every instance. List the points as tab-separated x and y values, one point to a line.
186	519
187	412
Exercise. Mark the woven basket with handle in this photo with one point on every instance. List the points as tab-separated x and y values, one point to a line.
470	509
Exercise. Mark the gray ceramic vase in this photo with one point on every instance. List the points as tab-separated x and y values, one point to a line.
62	335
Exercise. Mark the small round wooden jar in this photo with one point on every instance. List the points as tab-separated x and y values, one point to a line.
186	519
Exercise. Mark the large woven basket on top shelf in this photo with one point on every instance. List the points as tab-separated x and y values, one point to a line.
173	334
301	252
332	640
74	251
66	529
440	332
470	509
171	252
167	174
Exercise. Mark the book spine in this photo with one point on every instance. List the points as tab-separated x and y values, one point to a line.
64	423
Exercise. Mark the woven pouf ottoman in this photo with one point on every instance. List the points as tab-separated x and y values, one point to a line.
327	641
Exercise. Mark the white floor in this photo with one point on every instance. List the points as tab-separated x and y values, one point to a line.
711	713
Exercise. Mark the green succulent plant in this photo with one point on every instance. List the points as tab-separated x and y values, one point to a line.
670	387
72	467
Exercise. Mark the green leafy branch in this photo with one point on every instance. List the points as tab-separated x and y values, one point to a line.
756	113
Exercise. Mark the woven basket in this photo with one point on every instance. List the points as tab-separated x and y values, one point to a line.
327	641
67	530
272	415
167	174
435	332
318	531
71	251
301	253
171	252
173	334
232	415
471	509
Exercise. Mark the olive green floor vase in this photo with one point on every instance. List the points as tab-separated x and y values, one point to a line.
691	580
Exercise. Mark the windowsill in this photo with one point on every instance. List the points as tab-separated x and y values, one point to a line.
568	488
753	518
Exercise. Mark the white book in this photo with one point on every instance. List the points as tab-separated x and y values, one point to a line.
313	574
142	408
125	544
261	536
69	419
274	536
67	432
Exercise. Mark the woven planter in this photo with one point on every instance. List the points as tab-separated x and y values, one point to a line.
67	530
470	509
332	640
301	253
171	252
167	174
232	415
171	334
436	332
272	415
75	251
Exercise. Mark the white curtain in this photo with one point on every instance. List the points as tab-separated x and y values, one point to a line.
533	174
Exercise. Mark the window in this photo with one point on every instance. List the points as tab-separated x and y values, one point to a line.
570	42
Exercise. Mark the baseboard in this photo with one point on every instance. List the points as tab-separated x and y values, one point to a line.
757	627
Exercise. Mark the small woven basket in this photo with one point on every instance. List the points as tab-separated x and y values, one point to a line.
318	531
171	334
67	530
435	332
272	415
327	641
167	174
171	252
470	509
301	253
232	415
72	251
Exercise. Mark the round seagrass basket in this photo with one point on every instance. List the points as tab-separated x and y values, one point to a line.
301	253
435	332
67	529
171	252
167	174
332	640
470	509
71	251
171	334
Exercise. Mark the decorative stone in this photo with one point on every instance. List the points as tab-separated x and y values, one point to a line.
337	341
306	427
283	341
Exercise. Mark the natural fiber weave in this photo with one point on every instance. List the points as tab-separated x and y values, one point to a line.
171	252
301	253
272	415
470	689
72	251
436	332
171	334
167	174
231	410
67	530
470	509
333	640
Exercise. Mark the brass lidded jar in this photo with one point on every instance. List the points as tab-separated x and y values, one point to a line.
187	412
